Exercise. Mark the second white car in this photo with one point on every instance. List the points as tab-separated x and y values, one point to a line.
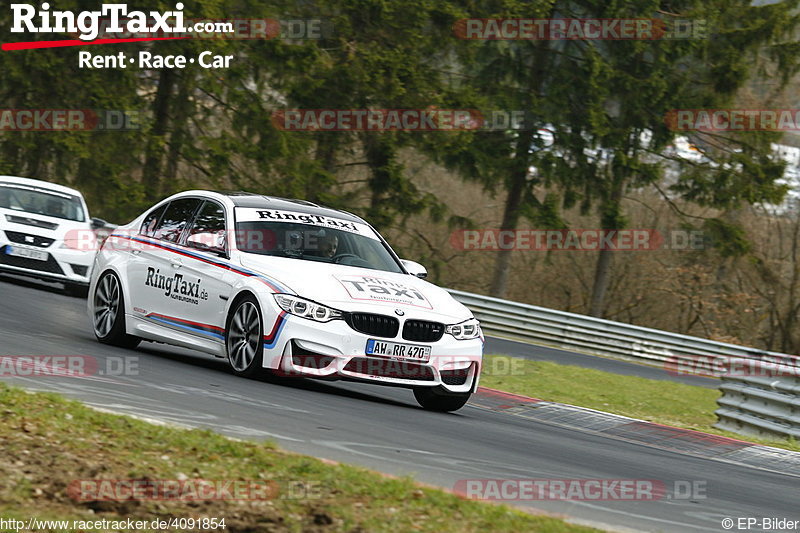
46	232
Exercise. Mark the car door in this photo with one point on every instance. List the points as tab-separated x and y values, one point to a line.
157	263
205	285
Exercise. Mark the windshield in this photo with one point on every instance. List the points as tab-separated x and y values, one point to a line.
41	202
350	243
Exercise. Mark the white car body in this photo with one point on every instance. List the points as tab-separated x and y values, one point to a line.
179	294
45	245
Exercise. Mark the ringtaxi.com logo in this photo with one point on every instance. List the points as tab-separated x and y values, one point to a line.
88	23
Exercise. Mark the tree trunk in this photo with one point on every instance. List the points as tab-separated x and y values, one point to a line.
789	342
518	180
326	155
379	154
183	110
602	278
610	220
502	265
151	174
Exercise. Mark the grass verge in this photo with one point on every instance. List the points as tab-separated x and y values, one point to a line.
48	442
663	402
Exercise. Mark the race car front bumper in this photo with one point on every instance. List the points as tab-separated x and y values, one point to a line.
332	350
53	263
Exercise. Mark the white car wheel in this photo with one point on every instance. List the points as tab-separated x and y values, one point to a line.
108	313
243	339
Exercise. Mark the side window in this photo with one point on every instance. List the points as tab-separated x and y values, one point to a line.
151	221
175	219
208	228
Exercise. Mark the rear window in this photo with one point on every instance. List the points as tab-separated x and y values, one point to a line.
167	223
151	221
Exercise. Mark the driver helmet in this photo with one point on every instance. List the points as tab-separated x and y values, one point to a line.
327	242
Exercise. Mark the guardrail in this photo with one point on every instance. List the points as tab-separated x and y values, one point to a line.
764	405
761	389
596	336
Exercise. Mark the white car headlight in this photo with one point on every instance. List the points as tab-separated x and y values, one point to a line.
301	307
469	329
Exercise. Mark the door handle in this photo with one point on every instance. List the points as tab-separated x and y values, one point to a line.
176	265
136	252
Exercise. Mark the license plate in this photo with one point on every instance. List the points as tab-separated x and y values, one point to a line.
405	352
28	253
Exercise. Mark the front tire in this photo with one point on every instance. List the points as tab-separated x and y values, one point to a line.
244	343
108	313
437	399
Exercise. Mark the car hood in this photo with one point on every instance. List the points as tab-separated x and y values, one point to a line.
357	289
46	226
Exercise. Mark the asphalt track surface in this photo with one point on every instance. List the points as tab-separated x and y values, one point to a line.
383	428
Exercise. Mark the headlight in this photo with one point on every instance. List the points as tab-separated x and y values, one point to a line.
301	307
469	329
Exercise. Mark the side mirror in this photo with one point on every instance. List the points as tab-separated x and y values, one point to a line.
98	223
208	242
414	268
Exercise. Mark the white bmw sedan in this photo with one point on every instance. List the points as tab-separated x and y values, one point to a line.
287	286
46	232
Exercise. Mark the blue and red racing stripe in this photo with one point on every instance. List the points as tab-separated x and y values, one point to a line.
266	280
272	339
215	331
194	327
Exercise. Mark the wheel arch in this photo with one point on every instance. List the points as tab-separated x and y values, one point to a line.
241	295
123	283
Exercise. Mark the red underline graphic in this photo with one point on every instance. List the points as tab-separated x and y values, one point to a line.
75	42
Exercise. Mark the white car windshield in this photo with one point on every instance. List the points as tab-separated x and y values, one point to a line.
314	243
40	201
